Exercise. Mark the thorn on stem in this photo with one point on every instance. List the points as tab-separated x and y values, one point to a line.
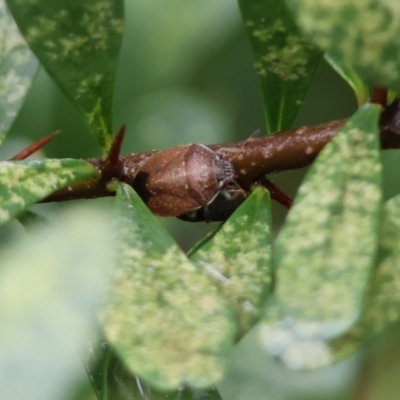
276	193
22	155
111	165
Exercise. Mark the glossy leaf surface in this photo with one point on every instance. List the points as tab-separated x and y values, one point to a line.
50	285
165	319
25	183
326	249
285	61
17	68
238	258
359	86
362	34
78	43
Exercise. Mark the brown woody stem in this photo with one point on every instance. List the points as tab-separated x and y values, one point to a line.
252	159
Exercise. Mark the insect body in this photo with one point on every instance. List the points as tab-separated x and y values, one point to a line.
179	180
220	209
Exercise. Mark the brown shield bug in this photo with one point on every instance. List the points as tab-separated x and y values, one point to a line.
179	180
220	209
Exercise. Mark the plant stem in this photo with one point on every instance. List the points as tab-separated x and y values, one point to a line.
252	159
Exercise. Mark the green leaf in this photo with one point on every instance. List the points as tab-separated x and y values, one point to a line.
284	60
238	258
50	285
31	220
78	43
204	240
17	68
359	86
362	34
112	381
327	246
165	319
391	96
25	183
382	306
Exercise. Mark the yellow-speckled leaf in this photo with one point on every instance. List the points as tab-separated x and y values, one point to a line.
284	60
77	42
25	183
326	250
163	316
50	286
382	306
363	34
17	68
238	259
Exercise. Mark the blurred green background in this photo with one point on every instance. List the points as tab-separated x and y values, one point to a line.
186	75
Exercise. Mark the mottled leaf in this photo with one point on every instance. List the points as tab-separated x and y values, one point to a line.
17	68
326	249
284	60
382	306
362	34
238	258
359	86
25	183
163	316
112	381
50	284
78	43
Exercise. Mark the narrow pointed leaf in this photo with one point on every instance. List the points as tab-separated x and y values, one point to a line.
350	75
112	381
17	68
362	34
204	240
382	306
284	60
165	319
238	259
50	285
25	183
78	43
327	246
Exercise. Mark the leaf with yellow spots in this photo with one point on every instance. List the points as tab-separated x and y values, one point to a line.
285	61
25	183
17	68
363	34
381	308
238	259
111	380
78	44
165	319
326	249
